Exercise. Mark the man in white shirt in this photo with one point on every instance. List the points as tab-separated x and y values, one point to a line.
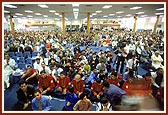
45	68
157	60
56	72
37	64
132	63
9	65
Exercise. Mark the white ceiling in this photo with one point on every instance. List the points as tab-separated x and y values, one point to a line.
149	9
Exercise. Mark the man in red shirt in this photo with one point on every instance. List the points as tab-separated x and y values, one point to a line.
78	84
30	75
46	83
62	83
96	90
113	79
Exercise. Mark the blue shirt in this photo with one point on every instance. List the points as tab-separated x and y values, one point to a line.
46	104
72	98
114	91
93	76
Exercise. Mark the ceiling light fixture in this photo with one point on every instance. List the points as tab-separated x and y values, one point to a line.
119	12
135	8
107	6
159	13
52	11
28	11
75	5
5	11
140	13
160	9
43	6
10	6
98	11
18	14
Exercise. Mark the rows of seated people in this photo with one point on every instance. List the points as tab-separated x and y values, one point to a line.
53	68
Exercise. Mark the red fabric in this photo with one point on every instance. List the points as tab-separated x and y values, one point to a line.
46	82
48	46
64	83
78	86
107	41
138	87
113	81
119	76
30	73
96	87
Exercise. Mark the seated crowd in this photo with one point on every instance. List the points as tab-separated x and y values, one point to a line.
82	77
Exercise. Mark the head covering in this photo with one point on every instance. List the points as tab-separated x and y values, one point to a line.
157	52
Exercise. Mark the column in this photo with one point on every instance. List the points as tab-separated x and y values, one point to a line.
12	25
135	19
88	24
63	24
156	24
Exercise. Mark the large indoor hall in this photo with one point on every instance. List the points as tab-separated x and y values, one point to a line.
83	57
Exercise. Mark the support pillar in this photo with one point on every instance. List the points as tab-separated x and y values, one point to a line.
156	24
12	26
88	24
63	24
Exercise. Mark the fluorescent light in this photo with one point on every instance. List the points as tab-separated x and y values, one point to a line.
18	14
119	12
111	14
43	6
29	16
135	8
15	16
38	14
53	11
159	13
140	13
45	16
28	11
144	15
56	13
57	19
5	11
107	6
119	16
160	9
75	5
94	14
66	18
128	15
105	16
98	11
10	6
75	9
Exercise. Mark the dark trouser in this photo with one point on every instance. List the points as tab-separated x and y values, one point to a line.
122	60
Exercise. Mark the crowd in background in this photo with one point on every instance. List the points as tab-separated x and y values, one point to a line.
63	69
